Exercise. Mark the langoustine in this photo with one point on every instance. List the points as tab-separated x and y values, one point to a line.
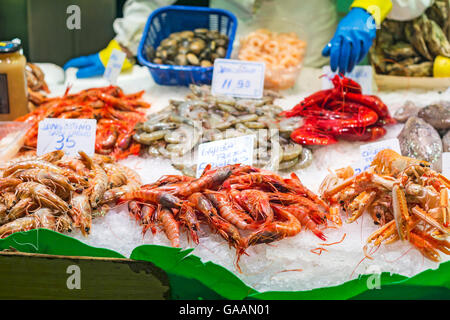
403	195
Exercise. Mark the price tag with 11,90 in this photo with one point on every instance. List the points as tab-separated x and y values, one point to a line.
69	135
224	152
241	79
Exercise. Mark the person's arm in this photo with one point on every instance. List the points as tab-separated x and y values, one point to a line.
128	34
355	33
405	10
378	9
135	14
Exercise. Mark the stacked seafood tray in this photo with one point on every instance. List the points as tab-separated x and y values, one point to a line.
410	48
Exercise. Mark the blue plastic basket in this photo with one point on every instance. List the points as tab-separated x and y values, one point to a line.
166	20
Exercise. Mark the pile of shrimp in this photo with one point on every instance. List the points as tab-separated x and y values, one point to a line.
116	112
36	84
404	195
58	192
282	54
243	204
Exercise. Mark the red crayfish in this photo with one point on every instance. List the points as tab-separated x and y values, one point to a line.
340	113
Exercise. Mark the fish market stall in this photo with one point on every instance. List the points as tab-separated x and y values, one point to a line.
310	216
288	265
412	54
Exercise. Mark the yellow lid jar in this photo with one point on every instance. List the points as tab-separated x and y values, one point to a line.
13	84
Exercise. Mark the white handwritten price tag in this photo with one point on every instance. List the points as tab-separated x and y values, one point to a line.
114	66
223	152
446	164
370	150
69	135
242	79
360	74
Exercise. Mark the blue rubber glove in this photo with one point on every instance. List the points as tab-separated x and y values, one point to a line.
352	40
88	66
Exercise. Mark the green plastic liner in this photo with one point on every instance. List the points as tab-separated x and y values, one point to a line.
190	278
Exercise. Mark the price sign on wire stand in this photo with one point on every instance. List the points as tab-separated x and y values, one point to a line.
370	150
242	79
114	66
360	74
446	164
69	135
224	152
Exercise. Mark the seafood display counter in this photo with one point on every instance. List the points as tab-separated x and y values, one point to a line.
300	223
336	193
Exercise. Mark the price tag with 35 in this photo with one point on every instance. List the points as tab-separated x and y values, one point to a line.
69	135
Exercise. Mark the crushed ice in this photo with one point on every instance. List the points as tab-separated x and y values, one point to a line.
289	264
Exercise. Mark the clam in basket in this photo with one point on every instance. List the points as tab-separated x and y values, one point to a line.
167	20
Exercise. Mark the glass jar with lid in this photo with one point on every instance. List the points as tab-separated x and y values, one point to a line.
13	85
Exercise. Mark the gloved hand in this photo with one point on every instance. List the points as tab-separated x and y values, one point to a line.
95	64
88	66
352	40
